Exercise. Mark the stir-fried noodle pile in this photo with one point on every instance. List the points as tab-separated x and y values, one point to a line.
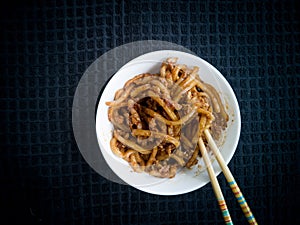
158	119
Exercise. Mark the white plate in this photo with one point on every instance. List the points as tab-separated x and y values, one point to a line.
186	180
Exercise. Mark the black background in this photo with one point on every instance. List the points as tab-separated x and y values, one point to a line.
45	48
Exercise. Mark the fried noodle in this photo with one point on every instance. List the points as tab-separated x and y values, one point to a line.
158	119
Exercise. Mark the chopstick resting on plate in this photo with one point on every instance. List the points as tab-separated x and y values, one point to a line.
215	184
229	177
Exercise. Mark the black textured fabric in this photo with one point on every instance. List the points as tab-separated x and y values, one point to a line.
46	47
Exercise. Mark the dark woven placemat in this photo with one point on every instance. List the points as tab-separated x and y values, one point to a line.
46	47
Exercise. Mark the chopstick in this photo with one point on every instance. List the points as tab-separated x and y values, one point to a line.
230	179
215	184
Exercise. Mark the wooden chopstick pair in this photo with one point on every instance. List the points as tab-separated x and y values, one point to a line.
229	177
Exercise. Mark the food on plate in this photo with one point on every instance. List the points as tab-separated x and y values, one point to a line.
158	119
